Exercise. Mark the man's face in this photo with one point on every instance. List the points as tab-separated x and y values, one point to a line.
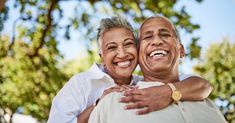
160	50
119	52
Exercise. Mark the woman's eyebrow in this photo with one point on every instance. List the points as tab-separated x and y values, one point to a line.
128	39
110	43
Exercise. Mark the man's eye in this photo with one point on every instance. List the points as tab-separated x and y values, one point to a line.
147	37
164	35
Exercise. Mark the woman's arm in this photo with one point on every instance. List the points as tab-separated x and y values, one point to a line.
84	116
194	88
158	97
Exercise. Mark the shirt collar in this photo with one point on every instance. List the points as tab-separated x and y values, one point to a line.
97	72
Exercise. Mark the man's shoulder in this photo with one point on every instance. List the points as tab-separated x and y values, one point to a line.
110	100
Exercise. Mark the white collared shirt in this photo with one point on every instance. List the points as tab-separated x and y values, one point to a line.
110	110
80	92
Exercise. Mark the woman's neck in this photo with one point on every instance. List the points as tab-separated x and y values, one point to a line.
123	81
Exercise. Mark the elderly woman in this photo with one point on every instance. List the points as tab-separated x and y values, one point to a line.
118	51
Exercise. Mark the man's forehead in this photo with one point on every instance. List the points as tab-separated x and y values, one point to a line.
156	23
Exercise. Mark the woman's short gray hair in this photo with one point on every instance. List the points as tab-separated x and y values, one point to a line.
108	23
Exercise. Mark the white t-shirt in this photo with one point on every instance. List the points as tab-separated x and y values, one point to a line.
110	110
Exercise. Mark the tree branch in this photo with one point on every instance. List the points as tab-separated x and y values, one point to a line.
47	29
2	4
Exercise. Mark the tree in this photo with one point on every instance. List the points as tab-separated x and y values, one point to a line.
30	72
51	17
28	85
218	66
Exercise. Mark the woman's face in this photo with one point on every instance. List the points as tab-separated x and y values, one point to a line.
119	52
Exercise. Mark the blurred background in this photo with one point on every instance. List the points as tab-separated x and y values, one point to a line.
44	42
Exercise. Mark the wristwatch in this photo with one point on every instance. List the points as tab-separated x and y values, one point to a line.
175	95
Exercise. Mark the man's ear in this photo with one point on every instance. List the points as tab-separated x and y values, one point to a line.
182	51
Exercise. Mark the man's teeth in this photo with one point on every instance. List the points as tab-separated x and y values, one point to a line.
158	53
124	63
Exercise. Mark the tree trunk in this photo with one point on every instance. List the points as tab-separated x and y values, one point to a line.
11	116
2	114
2	4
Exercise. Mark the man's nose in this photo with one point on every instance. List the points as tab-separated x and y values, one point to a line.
157	40
121	53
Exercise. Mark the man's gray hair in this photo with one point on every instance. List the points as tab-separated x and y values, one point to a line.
108	23
176	32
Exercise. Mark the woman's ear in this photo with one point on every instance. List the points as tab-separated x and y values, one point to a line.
101	58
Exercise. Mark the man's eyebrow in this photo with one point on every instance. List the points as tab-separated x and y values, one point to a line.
148	32
164	30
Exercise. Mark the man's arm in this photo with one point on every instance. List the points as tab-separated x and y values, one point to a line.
159	97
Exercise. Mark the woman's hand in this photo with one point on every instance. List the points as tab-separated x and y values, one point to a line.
118	88
147	99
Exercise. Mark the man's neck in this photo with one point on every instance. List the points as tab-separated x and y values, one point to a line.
165	78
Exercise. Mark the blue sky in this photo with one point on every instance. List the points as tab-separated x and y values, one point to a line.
217	21
216	18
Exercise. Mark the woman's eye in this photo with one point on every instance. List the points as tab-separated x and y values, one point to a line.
129	43
111	47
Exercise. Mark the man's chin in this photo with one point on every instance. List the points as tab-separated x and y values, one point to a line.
158	67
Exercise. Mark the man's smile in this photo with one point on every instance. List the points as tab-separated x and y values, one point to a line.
159	53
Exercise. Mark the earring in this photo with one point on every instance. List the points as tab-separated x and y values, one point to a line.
105	69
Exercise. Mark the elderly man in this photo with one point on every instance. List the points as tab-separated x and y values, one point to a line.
160	50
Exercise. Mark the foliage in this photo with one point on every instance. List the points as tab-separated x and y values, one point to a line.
30	72
218	67
54	19
28	84
82	63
